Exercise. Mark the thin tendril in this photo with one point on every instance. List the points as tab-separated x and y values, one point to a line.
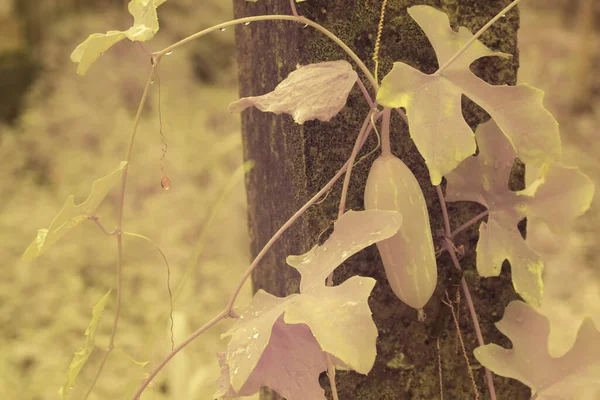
378	40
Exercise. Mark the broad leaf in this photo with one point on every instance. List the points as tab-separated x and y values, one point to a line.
145	26
352	232
71	215
291	366
83	353
433	102
559	196
314	91
339	317
575	375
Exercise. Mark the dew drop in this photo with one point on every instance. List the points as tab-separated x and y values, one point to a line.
222	29
152	82
247	23
256	335
165	183
305	25
235	371
169	53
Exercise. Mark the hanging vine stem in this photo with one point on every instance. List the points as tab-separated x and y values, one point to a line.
450	249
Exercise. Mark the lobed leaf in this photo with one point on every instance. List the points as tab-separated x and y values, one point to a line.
338	317
145	26
433	102
291	366
575	375
82	355
352	232
559	196
314	91
71	215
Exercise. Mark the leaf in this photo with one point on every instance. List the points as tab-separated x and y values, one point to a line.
484	179
338	317
352	232
83	353
575	375
71	215
145	26
251	334
291	366
433	102
314	91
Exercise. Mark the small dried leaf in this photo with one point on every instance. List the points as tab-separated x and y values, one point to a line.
575	375
314	91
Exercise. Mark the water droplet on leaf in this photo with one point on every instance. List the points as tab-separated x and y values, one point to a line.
222	29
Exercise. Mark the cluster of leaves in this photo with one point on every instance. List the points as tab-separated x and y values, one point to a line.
323	323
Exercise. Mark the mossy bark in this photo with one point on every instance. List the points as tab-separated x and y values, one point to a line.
293	162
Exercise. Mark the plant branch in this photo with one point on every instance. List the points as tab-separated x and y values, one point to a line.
118	229
365	130
228	312
97	221
450	248
299	19
469	223
386	149
177	349
476	36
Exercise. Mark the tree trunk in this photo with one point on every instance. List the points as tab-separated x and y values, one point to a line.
293	162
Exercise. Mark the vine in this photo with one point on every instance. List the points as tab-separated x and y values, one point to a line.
324	327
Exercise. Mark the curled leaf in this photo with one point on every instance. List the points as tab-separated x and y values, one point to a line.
82	355
433	102
72	215
575	375
314	91
145	26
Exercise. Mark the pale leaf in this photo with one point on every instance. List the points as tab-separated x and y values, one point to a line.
71	215
291	366
560	195
339	317
433	102
83	353
352	232
145	26
575	375
314	91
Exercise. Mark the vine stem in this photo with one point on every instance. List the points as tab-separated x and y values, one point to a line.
118	230
227	311
386	149
476	36
465	288
469	223
299	19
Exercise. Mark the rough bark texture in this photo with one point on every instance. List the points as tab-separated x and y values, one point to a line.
293	162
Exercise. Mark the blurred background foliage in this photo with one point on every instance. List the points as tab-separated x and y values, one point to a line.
59	132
